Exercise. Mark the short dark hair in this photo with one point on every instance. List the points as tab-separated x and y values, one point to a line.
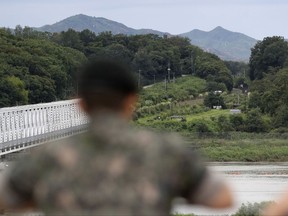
104	84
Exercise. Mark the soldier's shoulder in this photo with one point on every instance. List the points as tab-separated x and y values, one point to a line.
56	149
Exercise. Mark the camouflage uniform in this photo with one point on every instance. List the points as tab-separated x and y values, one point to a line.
110	170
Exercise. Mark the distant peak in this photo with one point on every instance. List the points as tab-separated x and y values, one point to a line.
219	28
80	15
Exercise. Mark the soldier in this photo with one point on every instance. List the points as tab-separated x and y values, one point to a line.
113	169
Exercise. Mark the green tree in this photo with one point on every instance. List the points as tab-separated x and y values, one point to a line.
254	122
13	92
214	99
86	36
71	38
18	31
224	124
280	119
238	69
41	89
237	122
267	56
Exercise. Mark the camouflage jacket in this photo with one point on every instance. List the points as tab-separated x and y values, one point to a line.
112	169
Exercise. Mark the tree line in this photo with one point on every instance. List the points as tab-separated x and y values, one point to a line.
269	74
35	70
40	67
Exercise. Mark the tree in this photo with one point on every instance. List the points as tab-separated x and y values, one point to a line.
214	100
215	86
71	38
238	69
237	122
270	93
40	89
13	92
224	124
254	122
18	31
86	36
268	55
280	119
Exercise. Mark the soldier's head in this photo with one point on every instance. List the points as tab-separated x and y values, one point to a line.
105	85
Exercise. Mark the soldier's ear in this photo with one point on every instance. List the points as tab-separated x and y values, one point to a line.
129	105
83	105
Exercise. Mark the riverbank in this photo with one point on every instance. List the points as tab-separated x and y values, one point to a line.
242	149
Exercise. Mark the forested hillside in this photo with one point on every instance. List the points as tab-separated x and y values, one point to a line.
269	70
34	69
262	99
150	55
40	67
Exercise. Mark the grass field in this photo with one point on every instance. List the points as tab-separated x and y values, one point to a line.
243	149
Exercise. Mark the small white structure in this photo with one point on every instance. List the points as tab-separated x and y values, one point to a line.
235	111
217	92
217	107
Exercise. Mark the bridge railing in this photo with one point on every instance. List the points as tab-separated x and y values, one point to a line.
26	126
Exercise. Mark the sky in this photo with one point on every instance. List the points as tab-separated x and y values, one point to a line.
255	18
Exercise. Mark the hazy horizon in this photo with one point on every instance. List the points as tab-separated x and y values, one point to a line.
255	18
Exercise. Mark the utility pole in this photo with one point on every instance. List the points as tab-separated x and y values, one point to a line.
165	81
154	78
192	63
165	86
169	70
139	78
238	99
174	77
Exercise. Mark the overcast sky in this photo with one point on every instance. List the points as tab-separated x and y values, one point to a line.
256	18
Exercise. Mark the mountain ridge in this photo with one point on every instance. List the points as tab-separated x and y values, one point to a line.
226	44
97	25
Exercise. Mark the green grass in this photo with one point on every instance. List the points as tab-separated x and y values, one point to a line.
207	115
146	121
183	89
202	128
242	150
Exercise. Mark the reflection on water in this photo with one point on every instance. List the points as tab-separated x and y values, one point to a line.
250	182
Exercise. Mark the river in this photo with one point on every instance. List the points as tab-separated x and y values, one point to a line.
250	182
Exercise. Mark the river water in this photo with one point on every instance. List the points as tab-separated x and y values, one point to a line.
250	182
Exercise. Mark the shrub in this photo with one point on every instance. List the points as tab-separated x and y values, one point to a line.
254	122
250	209
224	124
237	122
214	100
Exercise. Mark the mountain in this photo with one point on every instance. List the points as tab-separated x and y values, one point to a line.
226	44
95	24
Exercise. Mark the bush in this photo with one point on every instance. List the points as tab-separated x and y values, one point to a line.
224	124
214	100
250	209
237	122
254	122
201	128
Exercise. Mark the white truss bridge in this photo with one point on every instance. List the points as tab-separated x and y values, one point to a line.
23	127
